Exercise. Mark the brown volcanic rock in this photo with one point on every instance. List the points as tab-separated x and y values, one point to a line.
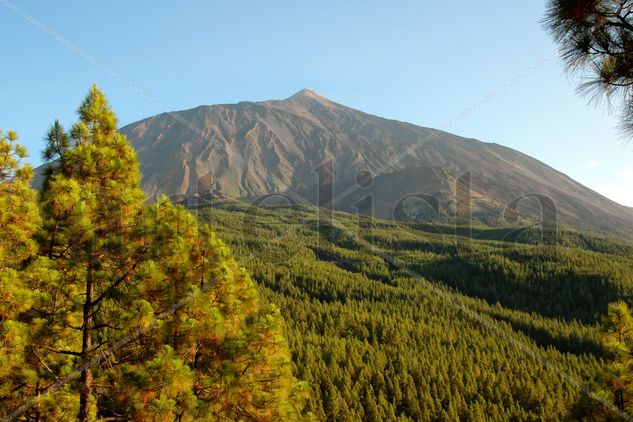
249	149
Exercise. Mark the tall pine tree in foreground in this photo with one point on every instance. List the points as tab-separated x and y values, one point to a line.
135	312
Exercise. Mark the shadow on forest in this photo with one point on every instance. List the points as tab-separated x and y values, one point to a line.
353	266
565	295
544	338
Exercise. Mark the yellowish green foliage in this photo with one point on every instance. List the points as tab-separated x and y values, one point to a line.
115	309
612	394
226	360
18	210
617	339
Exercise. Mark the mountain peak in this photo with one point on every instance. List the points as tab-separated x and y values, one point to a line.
306	93
274	146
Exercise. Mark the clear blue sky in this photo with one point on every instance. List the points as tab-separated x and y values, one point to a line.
423	62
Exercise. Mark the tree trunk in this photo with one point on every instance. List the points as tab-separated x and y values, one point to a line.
38	414
619	400
86	345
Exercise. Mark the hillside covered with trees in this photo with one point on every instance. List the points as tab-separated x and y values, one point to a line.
406	321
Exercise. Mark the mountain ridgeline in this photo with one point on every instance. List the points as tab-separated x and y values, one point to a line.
249	149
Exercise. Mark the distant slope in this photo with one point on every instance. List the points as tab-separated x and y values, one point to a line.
250	149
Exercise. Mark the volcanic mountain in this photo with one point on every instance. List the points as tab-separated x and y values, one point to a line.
307	143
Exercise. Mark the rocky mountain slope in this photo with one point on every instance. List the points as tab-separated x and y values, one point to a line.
248	149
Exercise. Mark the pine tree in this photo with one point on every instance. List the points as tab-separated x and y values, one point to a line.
19	220
618	341
90	204
208	316
595	36
19	216
146	305
57	144
613	388
372	413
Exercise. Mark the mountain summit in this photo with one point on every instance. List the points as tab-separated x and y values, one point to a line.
307	94
251	149
306	98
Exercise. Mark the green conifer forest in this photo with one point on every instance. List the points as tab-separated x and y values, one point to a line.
404	321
